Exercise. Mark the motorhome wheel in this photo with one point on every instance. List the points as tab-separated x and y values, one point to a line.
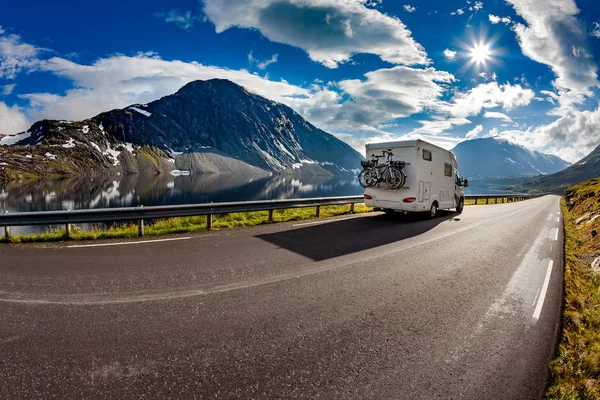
433	210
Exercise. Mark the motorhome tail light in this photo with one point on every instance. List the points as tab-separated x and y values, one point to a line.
368	197
409	199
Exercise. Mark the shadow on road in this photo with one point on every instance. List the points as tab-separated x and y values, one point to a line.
333	239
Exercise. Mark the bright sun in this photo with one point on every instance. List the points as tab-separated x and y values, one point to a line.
480	53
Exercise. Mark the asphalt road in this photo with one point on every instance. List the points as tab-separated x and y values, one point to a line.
364	307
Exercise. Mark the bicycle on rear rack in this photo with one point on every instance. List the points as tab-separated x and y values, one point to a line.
391	172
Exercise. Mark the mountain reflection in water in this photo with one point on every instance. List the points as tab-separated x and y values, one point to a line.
135	190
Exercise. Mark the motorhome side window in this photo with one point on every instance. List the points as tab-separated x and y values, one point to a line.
426	155
447	169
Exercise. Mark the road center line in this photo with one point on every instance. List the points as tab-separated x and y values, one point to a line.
125	243
540	302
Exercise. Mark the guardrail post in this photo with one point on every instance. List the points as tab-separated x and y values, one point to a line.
487	201
209	222
318	211
6	228
475	203
140	224
68	227
503	199
351	207
270	215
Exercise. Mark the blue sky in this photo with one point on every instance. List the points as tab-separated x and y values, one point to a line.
364	70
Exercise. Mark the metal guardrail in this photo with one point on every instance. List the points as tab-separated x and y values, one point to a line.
496	197
141	213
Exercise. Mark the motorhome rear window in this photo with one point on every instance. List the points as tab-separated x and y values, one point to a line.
426	155
447	169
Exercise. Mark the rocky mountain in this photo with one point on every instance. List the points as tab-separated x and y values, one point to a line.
496	157
213	126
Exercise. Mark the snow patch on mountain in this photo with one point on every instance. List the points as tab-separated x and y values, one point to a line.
70	144
12	139
139	110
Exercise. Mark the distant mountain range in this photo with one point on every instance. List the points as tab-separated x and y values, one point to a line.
496	157
213	126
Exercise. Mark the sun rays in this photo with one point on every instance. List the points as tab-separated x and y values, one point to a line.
480	53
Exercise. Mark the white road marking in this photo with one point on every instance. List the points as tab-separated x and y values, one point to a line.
540	303
556	236
326	221
125	243
557	220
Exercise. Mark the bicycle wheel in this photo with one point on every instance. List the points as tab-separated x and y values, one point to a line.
395	178
362	178
366	178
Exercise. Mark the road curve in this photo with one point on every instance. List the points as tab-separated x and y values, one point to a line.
462	306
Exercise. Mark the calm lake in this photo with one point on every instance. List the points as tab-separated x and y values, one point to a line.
135	190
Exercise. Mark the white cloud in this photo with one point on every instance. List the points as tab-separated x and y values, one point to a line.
8	89
330	31
485	76
262	64
358	141
409	8
183	19
450	54
552	35
12	119
494	19
438	125
596	30
460	11
16	56
486	96
477	6
390	93
470	103
570	137
498	115
473	133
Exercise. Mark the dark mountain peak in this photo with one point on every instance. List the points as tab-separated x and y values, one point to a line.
216	84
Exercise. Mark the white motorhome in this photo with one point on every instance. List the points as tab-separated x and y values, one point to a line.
432	179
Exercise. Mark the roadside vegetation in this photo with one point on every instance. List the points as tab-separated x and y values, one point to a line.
191	224
183	224
576	370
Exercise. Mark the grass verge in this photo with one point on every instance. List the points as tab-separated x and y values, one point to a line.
576	370
183	225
